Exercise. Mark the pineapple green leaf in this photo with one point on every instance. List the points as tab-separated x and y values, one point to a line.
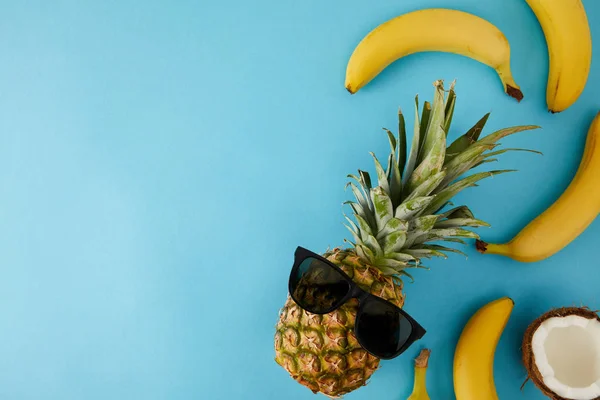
498	152
445	195
360	197
428	186
399	256
373	245
393	225
444	249
351	225
385	270
383	208
409	276
449	110
425	118
436	121
365	205
365	253
395	185
401	141
423	224
420	227
389	170
391	263
360	184
381	175
464	141
365	229
365	179
354	234
443	233
394	241
484	161
421	266
475	131
414	149
411	207
457	212
469	155
426	253
433	161
394	180
464	162
352	176
393	171
392	140
448	239
458	222
350	242
502	133
357	209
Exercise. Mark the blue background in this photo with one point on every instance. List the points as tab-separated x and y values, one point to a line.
160	161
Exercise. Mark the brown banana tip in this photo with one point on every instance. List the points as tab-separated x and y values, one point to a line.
349	89
481	246
514	92
422	360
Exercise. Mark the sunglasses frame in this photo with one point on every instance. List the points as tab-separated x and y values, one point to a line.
355	292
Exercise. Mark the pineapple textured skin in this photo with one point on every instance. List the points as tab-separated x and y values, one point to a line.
321	351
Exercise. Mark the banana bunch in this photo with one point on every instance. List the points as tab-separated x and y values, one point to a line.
564	23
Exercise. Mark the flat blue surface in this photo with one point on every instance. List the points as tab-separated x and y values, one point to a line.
160	161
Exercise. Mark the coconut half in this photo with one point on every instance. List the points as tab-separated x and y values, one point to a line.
561	352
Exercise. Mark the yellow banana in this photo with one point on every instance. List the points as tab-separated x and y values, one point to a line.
564	220
474	356
569	41
420	389
431	30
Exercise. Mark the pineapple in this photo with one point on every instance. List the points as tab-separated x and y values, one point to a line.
397	224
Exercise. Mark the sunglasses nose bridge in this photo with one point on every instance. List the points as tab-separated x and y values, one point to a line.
359	294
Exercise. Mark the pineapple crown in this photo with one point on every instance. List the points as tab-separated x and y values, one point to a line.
397	220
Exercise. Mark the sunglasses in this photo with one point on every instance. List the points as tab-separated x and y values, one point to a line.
319	287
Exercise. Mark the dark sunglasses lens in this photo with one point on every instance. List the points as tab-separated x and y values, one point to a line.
317	286
381	328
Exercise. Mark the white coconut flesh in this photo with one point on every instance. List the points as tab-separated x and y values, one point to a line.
566	351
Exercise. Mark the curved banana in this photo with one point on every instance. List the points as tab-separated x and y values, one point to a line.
474	356
431	30
567	32
564	220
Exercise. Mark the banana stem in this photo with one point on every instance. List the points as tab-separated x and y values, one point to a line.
420	389
510	86
491	248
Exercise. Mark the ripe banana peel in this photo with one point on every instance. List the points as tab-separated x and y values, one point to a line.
564	220
474	356
567	32
431	30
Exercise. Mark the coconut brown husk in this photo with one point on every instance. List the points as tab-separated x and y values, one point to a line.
528	358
